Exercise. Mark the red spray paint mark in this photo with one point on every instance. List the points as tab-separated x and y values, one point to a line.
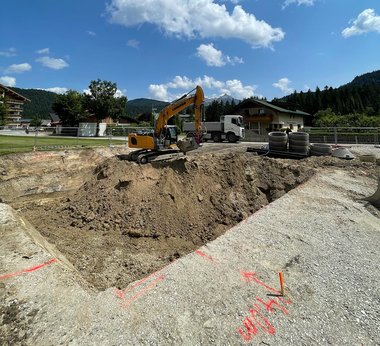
250	330
202	254
256	320
269	305
143	291
40	155
251	277
261	320
122	294
29	270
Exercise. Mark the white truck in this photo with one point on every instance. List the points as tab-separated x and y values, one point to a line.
230	128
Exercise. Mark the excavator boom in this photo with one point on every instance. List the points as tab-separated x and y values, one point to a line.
152	145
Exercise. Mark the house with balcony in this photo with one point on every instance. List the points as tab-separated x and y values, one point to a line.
261	117
15	103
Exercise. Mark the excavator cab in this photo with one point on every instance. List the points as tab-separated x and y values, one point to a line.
171	135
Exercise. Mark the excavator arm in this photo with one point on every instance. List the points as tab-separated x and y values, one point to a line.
176	106
156	142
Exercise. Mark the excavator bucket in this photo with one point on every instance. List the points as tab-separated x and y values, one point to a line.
187	144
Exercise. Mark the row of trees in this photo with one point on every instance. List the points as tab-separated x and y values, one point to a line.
348	99
217	108
328	118
101	102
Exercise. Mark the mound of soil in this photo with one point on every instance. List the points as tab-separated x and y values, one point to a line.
129	220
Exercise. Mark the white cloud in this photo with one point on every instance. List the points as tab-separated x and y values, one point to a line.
8	52
367	21
133	43
8	81
234	60
55	64
215	57
236	89
159	92
118	93
18	68
195	18
298	2
283	85
210	55
57	90
232	1
43	51
210	85
91	33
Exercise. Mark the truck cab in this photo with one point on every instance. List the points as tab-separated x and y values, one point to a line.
233	127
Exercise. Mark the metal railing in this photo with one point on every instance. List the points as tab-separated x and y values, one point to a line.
331	135
344	135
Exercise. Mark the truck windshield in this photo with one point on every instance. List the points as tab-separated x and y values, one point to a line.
238	121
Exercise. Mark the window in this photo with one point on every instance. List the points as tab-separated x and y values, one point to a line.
233	121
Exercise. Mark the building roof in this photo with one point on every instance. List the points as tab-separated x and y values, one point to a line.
276	108
54	117
13	92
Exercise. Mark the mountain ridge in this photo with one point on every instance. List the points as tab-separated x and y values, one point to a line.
42	100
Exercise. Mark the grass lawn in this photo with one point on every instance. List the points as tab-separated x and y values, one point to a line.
22	144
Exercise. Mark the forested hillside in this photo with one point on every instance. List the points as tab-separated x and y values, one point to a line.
354	104
40	105
366	79
42	101
362	95
142	106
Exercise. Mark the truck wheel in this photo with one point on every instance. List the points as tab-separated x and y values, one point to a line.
216	137
231	138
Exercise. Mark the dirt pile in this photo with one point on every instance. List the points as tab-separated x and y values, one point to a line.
129	220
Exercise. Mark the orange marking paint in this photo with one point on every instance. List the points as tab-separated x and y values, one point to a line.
143	290
28	270
202	254
281	283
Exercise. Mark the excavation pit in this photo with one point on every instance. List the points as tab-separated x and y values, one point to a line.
117	221
127	220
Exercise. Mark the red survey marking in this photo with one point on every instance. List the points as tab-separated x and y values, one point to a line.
29	270
40	155
202	254
121	294
256	320
251	277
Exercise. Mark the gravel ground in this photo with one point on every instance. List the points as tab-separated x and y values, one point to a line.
321	236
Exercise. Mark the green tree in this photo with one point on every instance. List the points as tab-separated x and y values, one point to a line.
36	121
3	111
102	101
70	108
214	110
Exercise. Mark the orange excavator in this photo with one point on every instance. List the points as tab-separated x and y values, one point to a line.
164	139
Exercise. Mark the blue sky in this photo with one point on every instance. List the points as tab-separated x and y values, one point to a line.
162	48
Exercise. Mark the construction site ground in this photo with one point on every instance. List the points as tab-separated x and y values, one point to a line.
96	250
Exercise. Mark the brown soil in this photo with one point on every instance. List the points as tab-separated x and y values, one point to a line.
127	221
